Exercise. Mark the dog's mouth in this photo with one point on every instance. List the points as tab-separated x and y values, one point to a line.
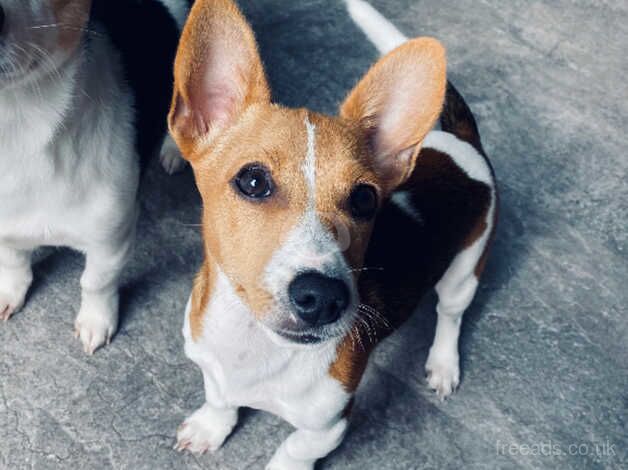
284	333
300	338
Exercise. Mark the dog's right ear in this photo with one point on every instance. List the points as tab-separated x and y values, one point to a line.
218	74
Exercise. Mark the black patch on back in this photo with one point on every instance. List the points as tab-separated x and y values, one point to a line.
146	35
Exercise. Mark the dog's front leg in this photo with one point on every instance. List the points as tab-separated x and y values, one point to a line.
304	447
97	320
16	276
207	428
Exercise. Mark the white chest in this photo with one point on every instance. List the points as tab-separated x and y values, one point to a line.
242	366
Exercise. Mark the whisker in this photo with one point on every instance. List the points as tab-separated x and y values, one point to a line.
355	270
65	26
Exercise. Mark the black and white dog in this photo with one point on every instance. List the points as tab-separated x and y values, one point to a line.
84	92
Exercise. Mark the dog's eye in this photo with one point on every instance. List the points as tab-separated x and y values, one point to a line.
363	202
254	182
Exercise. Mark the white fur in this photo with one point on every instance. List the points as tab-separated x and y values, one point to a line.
463	154
309	166
68	174
243	366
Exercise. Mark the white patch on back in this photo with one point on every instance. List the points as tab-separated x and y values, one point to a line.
464	155
309	165
178	9
382	33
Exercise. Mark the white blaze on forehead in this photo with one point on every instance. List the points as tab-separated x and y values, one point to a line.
309	165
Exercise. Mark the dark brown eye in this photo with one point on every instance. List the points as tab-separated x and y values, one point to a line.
363	202
254	182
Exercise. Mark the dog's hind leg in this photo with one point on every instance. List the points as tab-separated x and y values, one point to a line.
455	290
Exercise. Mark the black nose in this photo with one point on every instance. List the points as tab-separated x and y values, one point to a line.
2	17
317	299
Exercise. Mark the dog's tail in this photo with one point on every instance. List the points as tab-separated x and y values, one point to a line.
382	33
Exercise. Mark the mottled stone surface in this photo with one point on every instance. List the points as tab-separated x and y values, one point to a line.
544	346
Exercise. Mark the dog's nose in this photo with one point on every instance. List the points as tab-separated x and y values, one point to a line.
317	299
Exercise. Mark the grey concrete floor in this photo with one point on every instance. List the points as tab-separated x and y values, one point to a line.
544	346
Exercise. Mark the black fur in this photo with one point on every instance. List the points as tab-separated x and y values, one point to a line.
146	36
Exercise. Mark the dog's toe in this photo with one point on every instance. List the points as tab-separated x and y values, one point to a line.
205	430
443	374
93	330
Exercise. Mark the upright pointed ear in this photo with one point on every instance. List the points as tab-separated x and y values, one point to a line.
398	103
218	74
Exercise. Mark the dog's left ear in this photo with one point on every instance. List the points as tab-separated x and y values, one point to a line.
397	103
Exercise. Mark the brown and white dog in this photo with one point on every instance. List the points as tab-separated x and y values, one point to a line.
297	209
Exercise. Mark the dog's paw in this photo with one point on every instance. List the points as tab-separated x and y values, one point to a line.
283	461
95	325
13	290
443	373
205	430
170	157
10	303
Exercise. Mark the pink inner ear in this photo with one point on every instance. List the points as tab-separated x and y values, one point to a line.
397	118
217	108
